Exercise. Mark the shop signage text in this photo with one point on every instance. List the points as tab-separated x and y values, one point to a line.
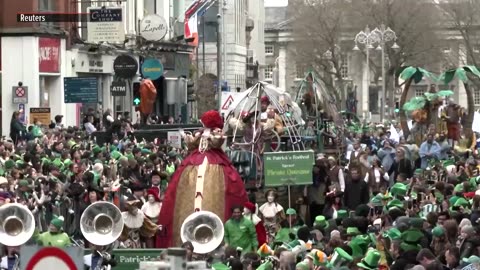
152	69
80	90
118	89
105	24
49	55
125	66
153	27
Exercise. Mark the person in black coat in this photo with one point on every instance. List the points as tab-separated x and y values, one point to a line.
401	165
356	189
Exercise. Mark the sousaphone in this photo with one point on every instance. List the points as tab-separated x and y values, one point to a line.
204	230
17	224
101	223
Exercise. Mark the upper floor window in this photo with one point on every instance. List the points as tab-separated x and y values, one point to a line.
420	90
269	49
269	72
476	96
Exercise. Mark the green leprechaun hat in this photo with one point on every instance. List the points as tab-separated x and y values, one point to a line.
339	258
411	240
399	189
377	200
320	221
220	266
395	203
438	232
393	234
370	262
353	231
302	266
341	214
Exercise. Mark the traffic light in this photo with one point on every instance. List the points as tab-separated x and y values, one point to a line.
397	107
136	94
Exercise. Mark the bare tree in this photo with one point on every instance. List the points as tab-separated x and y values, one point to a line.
324	26
317	29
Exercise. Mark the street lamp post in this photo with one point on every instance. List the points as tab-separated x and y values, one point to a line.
369	38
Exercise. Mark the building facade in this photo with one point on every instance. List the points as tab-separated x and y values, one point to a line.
244	37
41	55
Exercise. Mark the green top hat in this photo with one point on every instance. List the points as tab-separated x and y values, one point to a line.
395	203
9	164
342	213
393	234
291	211
399	189
461	202
418	171
411	240
67	162
458	188
438	231
370	262
116	155
96	150
386	196
359	245
453	199
146	151
377	200
320	221
339	258
353	231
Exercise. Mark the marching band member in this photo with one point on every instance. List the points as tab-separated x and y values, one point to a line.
98	258
11	260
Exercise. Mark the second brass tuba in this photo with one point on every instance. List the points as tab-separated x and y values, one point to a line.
101	223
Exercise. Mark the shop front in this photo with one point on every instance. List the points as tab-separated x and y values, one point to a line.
37	64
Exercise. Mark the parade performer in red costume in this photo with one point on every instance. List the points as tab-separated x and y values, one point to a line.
205	180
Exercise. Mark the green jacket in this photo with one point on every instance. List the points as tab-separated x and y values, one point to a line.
47	239
241	234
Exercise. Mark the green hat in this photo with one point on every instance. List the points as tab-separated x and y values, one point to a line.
411	240
377	200
438	231
358	246
67	162
458	188
23	183
439	196
370	262
172	154
57	222
461	202
96	150
302	266
339	258
9	164
393	234
113	148
146	151
453	199
353	231
291	211
386	196
471	259
342	213
58	163
115	155
395	203
399	189
320	221
418	171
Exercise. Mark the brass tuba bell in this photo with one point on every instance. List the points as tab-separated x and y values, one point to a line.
17	224
204	229
101	223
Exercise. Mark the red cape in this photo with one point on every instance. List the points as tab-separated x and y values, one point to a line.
235	193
